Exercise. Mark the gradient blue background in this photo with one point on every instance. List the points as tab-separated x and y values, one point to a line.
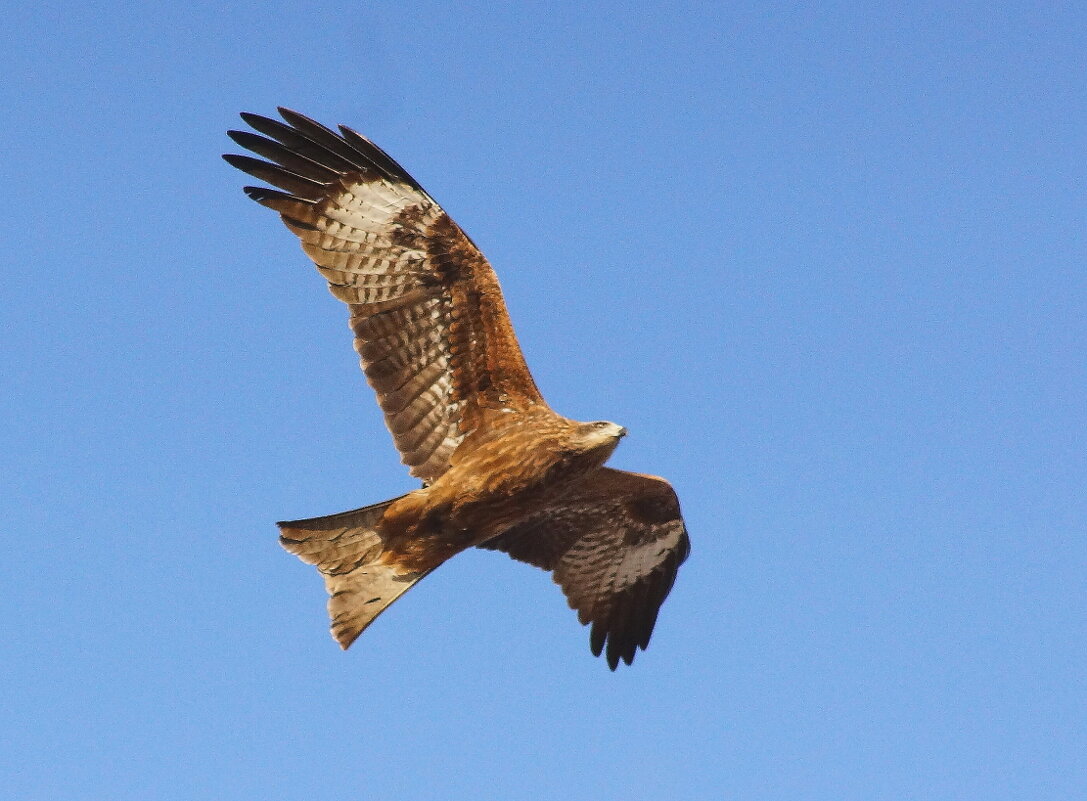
828	266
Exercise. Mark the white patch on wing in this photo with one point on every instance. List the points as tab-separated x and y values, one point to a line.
371	206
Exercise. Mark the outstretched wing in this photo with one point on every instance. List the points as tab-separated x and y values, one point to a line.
614	544
430	325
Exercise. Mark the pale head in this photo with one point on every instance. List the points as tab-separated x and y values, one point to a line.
599	438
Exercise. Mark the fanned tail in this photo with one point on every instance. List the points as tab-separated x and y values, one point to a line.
347	549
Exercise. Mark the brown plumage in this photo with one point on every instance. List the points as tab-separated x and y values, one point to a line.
500	469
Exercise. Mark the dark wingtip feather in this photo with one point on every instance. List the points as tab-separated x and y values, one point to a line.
597	634
613	656
291	159
301	122
382	160
298	185
243	163
254	120
239	136
266	125
263	193
302	137
294	222
329	140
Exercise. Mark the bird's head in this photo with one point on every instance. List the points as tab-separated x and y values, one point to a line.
598	438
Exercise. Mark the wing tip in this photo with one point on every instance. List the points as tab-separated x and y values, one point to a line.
236	159
249	117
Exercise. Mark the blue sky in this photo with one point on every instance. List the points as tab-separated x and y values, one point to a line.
826	264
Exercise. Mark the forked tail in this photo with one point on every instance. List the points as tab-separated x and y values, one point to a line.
347	549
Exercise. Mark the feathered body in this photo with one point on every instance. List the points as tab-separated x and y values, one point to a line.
501	469
484	494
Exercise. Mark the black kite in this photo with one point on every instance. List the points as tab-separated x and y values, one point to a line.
500	469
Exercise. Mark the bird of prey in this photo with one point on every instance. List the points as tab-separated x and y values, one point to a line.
500	469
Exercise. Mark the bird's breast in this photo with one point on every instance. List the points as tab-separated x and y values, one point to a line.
498	484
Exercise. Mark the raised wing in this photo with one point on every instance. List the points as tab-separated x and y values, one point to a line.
430	325
614	545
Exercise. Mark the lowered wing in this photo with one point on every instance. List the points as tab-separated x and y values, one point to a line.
614	544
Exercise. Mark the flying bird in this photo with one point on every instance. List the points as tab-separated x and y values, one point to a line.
500	469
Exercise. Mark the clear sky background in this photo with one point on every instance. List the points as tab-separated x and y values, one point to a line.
826	264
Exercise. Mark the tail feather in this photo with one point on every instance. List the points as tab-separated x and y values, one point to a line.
347	549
